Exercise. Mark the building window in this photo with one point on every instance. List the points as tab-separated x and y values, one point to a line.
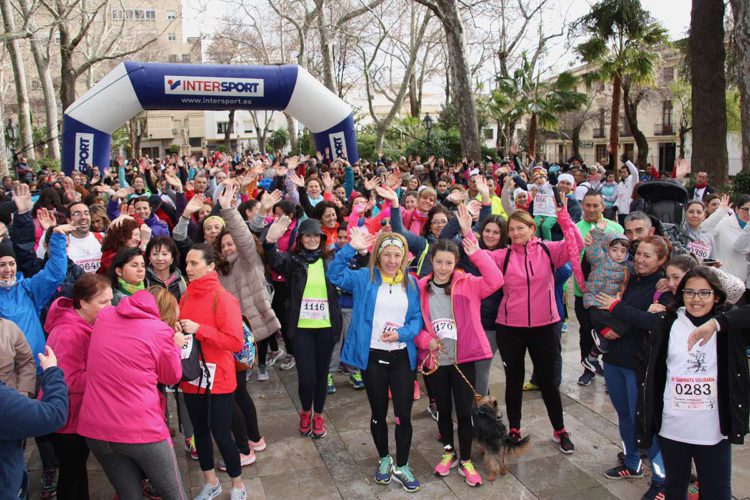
629	149
601	151
186	58
171	37
599	129
171	15
173	58
36	85
667	74
221	127
150	14
139	14
665	127
489	133
116	15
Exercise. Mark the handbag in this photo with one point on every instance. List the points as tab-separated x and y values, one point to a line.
246	355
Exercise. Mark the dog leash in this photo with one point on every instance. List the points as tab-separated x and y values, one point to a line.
434	357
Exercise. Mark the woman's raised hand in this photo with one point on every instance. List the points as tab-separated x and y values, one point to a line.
464	219
278	228
470	246
229	194
702	334
360	239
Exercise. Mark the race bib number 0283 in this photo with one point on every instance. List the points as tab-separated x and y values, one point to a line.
693	393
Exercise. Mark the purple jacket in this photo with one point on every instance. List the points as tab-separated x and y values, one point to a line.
529	289
467	292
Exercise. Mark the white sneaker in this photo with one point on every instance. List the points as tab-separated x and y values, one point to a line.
209	491
245	460
262	374
238	494
274	356
288	363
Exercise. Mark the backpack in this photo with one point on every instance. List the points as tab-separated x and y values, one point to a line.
194	366
544	247
246	355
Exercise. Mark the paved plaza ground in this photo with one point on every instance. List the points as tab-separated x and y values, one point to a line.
341	465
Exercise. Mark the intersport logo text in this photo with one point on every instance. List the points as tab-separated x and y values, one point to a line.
207	85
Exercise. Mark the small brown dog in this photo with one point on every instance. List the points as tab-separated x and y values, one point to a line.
491	434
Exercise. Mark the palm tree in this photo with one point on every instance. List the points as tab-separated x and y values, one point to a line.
544	102
622	42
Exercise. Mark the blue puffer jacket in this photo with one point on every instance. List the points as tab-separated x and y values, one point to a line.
23	418
23	302
356	348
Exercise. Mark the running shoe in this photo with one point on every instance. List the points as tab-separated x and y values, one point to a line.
259	445
433	411
305	423
655	491
385	468
623	472
565	327
417	395
530	386
562	438
274	356
318	426
49	483
345	369
467	470
356	380
586	378
245	460
262	374
405	477
331	387
592	365
600	341
447	462
515	435
238	494
209	491
149	490
288	363
190	447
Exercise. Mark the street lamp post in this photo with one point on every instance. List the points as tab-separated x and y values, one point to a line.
12	138
428	125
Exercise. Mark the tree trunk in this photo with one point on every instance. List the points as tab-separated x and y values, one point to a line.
291	128
25	136
614	126
4	164
532	135
228	133
683	137
708	83
414	103
50	99
325	49
67	70
463	95
379	135
575	139
741	12
630	107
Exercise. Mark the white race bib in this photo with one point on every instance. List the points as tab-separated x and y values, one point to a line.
207	382
693	393
700	249
544	204
390	326
444	328
314	309
187	347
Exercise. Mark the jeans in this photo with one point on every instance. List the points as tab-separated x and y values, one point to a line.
448	387
124	463
483	366
212	415
623	392
713	463
390	370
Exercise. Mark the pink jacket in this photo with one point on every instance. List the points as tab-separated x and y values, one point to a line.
467	292
69	337
529	290
131	351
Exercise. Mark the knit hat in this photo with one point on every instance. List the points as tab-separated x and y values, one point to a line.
310	226
6	249
566	178
518	191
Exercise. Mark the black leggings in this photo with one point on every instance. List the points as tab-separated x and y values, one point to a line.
212	414
72	453
447	387
585	340
244	417
280	298
390	370
541	342
314	347
713	464
263	346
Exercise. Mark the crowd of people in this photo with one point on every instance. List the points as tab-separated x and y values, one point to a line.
121	286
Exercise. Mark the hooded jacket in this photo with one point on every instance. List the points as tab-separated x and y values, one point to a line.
69	337
17	368
467	292
175	284
246	278
606	276
220	332
130	352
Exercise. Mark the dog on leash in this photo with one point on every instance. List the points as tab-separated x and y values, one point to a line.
491	434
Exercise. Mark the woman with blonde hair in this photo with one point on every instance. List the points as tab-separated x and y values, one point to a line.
381	343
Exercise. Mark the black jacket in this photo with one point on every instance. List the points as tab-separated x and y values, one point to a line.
691	191
733	384
294	269
625	352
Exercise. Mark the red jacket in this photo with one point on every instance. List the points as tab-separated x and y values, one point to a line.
69	337
467	292
220	333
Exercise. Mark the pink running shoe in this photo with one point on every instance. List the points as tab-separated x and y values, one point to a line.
259	445
417	395
305	422
448	462
467	470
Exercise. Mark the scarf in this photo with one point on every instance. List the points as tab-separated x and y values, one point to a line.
128	288
702	185
395	280
8	284
741	222
310	256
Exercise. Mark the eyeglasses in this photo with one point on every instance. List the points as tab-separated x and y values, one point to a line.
689	293
385	222
744	209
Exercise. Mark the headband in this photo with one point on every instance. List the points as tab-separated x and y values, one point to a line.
215	217
391	241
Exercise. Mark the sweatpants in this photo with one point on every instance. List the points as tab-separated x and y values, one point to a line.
390	370
72	453
123	463
448	387
585	341
244	417
545	224
212	415
483	366
543	347
280	298
713	464
558	359
623	392
346	320
313	348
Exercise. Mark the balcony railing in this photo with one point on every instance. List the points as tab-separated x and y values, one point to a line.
664	129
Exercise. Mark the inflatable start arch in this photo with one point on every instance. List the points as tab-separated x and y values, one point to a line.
133	87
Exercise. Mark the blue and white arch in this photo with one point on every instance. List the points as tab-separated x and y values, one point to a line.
132	87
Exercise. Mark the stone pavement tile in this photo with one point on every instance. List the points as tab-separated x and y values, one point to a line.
506	486
627	488
353	415
550	476
359	445
596	493
253	487
595	422
279	425
741	471
309	483
291	456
